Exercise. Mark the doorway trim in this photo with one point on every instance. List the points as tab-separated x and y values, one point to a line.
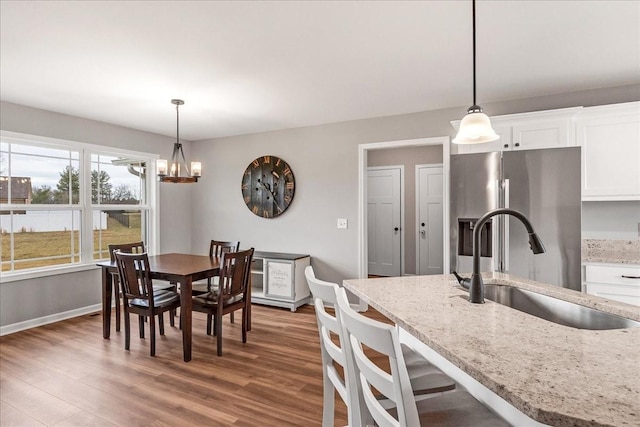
363	255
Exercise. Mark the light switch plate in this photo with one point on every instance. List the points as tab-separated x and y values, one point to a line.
342	223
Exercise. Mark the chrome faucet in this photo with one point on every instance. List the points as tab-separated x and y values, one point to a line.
475	284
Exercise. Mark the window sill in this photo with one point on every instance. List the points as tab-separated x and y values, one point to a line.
27	275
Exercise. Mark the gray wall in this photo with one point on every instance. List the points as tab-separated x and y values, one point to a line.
325	162
409	157
324	159
33	298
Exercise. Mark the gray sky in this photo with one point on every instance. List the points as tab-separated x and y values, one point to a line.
44	165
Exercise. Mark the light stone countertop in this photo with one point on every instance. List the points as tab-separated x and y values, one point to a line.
555	374
611	251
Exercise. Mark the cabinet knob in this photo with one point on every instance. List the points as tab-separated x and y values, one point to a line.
506	145
517	144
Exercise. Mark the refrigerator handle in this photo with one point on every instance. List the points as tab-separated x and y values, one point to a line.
506	193
505	225
497	235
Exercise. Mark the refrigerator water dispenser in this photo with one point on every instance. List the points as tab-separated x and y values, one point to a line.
465	237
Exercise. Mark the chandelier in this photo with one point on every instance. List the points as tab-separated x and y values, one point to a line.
178	171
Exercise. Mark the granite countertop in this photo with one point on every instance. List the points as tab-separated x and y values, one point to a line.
554	374
611	251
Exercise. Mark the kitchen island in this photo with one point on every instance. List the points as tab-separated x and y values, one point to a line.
553	374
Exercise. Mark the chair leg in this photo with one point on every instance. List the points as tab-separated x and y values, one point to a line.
152	333
218	327
249	316
141	325
209	324
244	326
231	318
173	311
127	331
116	296
328	403
161	323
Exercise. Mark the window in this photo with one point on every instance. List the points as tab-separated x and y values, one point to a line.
64	202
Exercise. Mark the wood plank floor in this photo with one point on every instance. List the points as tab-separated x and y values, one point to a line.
65	374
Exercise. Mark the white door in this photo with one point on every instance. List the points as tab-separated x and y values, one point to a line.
430	217
383	219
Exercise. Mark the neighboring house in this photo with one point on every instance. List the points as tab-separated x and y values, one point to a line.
21	193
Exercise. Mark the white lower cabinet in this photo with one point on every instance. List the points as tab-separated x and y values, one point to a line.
277	279
614	283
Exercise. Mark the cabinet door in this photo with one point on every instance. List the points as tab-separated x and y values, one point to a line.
279	279
504	143
548	134
610	156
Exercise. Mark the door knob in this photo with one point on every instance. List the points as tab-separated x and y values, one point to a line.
396	229
422	224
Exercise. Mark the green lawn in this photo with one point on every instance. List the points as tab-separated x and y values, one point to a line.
29	245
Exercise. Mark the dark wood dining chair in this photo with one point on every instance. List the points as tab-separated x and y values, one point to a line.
216	249
230	295
131	248
140	297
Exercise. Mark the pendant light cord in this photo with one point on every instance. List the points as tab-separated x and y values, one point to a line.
178	120
473	2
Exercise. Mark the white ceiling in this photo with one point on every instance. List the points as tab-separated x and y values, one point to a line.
245	67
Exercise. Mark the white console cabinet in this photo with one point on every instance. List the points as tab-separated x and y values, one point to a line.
277	279
610	139
618	283
528	131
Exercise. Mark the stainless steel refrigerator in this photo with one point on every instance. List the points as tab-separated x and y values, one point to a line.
542	184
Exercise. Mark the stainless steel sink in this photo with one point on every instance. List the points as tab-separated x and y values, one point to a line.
555	310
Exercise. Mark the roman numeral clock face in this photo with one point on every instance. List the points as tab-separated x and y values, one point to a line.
268	186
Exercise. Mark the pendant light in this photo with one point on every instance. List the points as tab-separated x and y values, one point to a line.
172	172
475	127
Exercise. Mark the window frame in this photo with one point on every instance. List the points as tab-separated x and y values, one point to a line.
85	205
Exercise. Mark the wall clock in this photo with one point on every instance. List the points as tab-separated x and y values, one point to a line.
268	186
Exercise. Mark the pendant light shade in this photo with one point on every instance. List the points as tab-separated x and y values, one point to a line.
177	171
475	127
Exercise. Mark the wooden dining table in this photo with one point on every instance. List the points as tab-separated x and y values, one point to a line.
174	267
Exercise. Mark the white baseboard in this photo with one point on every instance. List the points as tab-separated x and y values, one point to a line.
45	320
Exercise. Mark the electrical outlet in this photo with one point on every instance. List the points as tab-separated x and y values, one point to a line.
342	223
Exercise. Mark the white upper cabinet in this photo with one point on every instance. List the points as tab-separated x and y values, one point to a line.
610	139
528	131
